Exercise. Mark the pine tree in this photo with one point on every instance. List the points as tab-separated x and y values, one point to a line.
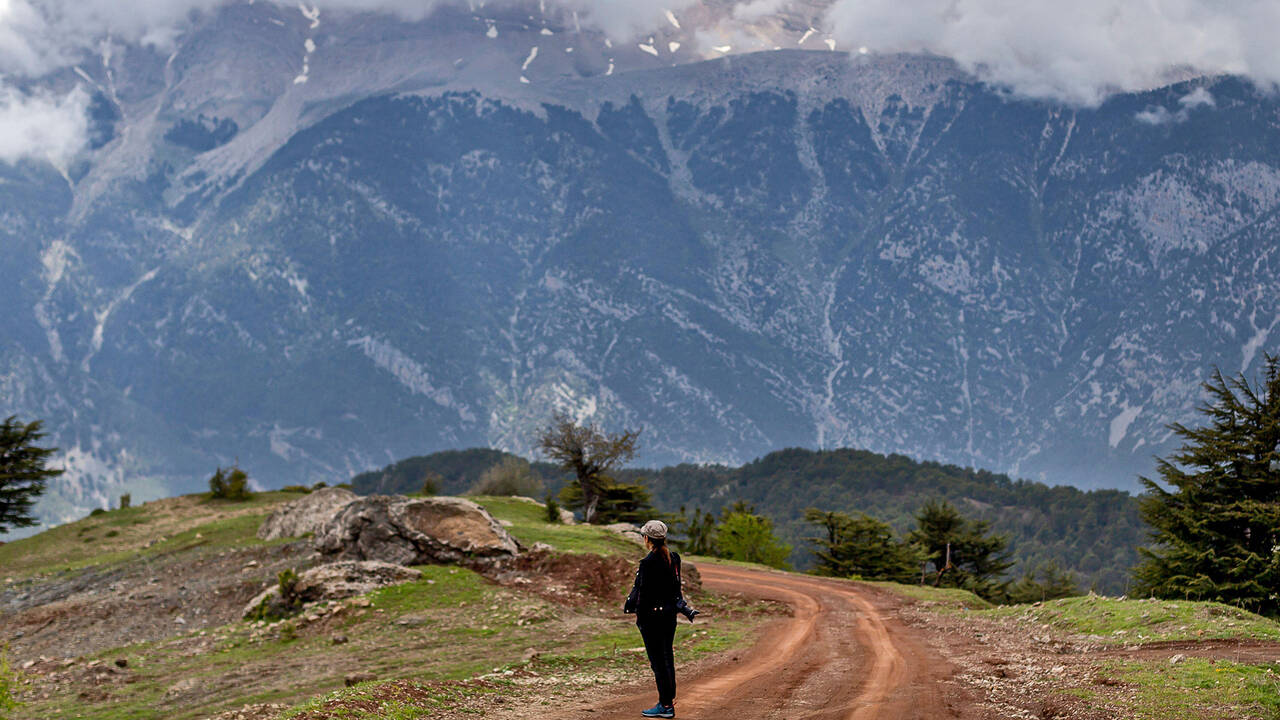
1047	582
699	532
1215	519
861	546
615	502
962	552
22	472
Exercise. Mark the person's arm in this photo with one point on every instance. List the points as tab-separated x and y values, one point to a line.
681	606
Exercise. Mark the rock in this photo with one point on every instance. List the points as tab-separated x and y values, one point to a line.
122	662
339	639
307	514
340	580
357	678
628	531
691	579
542	547
566	517
183	687
1177	659
415	531
530	655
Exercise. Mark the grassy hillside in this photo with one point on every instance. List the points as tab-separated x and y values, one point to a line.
160	588
1100	657
1092	533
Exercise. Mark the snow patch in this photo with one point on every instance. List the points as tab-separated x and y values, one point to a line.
673	46
492	32
312	14
409	373
1260	337
671	18
101	317
649	49
533	55
1120	423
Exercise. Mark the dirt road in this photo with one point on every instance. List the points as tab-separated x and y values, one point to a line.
841	656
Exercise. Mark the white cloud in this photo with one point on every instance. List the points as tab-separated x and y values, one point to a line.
39	36
1075	51
1160	115
41	126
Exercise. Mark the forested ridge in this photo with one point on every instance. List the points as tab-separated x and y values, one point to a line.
1095	534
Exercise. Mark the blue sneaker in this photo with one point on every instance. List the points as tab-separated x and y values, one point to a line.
659	711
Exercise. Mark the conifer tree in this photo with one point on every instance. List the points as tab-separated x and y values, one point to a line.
861	546
1215	517
22	472
963	552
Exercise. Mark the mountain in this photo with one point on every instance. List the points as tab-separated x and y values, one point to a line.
317	244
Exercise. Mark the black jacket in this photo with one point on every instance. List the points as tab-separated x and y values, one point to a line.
657	585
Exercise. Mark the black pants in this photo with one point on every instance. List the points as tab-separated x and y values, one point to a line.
659	632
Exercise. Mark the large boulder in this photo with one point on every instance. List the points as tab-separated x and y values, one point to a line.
337	581
627	531
415	531
307	514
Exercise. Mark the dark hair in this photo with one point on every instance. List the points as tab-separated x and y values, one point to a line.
660	545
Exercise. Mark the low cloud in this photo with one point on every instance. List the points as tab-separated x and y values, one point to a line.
1160	115
1078	52
43	127
40	36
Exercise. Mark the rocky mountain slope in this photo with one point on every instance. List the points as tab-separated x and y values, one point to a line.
318	243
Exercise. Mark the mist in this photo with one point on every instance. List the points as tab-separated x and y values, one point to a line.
1077	52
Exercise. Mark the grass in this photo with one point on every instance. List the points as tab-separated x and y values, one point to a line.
942	598
529	525
1125	621
120	534
1197	688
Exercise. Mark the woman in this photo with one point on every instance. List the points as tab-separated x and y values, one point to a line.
655	599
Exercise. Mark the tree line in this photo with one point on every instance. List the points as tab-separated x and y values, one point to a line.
1212	519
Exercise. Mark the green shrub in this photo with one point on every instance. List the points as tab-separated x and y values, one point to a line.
320	485
431	484
303	489
96	512
112	533
511	476
286	604
553	510
230	485
126	500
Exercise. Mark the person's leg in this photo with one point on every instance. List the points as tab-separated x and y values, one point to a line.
667	689
650	632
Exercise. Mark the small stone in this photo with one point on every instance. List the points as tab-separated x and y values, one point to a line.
530	655
1177	659
122	662
339	639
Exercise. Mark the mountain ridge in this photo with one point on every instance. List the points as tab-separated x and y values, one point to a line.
767	250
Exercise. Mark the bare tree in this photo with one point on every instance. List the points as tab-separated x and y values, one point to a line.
588	452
